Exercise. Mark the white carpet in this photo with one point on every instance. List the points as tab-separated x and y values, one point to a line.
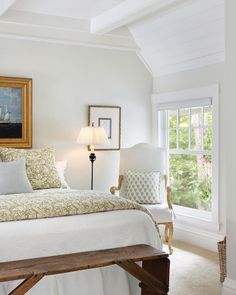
194	271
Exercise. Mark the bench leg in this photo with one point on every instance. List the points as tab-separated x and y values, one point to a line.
154	275
160	269
27	284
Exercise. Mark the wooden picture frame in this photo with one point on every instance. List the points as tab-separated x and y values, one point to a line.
15	112
108	117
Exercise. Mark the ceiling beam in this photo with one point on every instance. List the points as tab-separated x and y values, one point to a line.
41	31
127	12
5	5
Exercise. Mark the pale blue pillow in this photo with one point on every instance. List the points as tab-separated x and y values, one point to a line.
13	178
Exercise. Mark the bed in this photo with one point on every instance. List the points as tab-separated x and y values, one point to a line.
78	232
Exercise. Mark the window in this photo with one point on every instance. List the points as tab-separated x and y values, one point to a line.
189	137
186	124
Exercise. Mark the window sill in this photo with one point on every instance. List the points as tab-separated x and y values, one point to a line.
193	213
199	222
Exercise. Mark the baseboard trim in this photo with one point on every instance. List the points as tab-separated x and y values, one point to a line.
197	237
229	287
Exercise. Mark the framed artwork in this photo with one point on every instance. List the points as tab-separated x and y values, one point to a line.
108	117
15	112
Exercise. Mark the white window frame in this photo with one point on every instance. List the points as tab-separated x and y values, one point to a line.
189	96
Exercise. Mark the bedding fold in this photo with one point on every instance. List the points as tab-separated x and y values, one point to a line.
58	203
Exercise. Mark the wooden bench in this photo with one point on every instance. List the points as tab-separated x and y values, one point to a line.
153	275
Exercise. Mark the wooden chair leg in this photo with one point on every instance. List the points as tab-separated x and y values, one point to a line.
170	230
166	233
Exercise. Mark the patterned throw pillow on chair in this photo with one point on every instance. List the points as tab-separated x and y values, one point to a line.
143	187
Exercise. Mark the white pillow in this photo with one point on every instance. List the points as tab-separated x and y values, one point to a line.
61	167
143	187
13	178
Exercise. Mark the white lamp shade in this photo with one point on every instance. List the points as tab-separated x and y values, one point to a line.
92	135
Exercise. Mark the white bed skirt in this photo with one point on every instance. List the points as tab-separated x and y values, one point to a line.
61	235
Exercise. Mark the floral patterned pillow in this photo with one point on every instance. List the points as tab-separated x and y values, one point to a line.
143	187
40	166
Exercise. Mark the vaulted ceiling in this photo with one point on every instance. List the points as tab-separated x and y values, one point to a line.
169	35
83	9
187	36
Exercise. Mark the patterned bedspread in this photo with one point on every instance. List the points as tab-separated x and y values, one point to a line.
55	203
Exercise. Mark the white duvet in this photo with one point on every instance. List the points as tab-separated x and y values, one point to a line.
60	235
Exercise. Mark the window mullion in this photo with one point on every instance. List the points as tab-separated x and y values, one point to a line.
166	127
177	130
189	129
202	128
189	152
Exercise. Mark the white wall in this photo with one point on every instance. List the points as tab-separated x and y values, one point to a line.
192	79
66	79
229	147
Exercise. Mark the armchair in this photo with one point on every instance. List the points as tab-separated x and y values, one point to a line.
144	157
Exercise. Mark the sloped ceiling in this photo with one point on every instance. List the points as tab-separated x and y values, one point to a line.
182	38
169	35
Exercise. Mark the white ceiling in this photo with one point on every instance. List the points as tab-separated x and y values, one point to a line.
169	35
84	9
186	37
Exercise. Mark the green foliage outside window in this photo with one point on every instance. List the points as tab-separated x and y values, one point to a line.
191	184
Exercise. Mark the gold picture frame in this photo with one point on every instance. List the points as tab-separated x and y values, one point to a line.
108	117
15	112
